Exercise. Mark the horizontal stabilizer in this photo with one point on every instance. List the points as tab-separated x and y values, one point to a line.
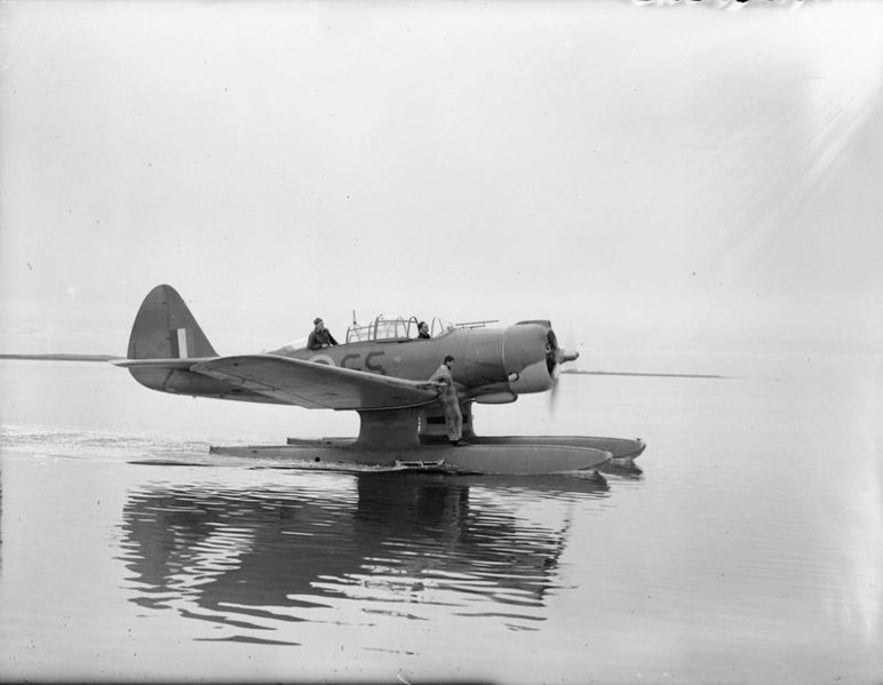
159	363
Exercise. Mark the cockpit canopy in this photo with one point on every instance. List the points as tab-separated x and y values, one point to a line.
392	329
389	329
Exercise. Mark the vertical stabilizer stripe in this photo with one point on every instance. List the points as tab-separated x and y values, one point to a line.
182	342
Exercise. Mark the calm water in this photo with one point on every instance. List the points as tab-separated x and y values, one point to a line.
749	550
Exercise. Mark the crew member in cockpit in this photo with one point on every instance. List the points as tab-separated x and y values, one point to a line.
423	330
320	337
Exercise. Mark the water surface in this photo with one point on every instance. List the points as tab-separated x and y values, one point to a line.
748	550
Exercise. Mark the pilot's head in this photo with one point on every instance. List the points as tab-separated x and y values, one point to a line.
449	361
318	323
422	327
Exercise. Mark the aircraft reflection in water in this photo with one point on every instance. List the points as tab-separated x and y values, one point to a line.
247	558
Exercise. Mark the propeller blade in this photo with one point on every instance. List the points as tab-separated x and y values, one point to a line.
553	395
555	357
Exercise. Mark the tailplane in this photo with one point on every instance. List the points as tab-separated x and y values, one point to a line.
165	329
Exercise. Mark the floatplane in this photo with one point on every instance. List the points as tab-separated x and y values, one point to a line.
381	372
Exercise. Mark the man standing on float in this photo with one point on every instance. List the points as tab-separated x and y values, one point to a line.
448	397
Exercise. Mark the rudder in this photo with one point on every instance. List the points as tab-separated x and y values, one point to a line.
165	329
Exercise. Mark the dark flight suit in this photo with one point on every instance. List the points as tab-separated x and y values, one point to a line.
320	339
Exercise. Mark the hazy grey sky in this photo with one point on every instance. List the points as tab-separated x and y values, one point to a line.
672	178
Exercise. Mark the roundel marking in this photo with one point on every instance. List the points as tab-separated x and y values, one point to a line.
322	359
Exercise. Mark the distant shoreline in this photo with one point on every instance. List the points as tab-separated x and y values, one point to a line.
60	357
637	373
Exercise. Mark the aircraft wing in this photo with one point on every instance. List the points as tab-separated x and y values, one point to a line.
317	386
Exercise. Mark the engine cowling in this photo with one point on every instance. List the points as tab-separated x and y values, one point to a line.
531	356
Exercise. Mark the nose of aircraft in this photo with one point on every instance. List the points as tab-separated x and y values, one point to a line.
555	355
532	356
565	356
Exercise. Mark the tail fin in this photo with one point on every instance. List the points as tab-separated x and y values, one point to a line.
165	329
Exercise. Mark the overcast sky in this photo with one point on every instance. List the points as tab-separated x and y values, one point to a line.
684	178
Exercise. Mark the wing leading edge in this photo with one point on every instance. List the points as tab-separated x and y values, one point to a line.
316	386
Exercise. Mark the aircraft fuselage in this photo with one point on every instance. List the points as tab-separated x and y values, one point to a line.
491	364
